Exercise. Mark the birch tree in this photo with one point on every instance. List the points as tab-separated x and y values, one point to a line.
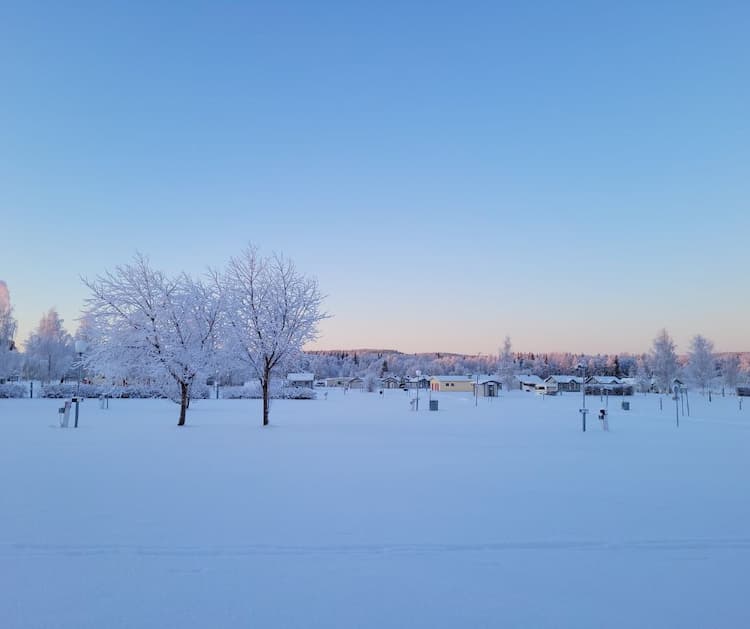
272	311
162	329
8	354
730	371
663	361
701	361
49	351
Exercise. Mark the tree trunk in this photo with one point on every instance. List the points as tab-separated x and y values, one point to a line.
264	385
183	403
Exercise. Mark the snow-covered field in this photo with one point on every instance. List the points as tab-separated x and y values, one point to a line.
355	512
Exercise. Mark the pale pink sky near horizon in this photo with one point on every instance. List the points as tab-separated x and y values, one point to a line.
457	332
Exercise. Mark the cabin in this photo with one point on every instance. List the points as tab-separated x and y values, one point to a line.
301	379
341	381
607	385
564	384
418	382
464	384
488	387
390	382
528	382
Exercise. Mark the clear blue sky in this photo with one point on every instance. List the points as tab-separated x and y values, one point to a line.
576	175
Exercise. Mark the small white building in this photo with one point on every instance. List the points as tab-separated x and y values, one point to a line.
301	379
340	381
562	383
607	385
417	382
529	382
390	382
488	386
464	384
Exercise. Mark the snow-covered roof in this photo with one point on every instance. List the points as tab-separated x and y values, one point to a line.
564	378
301	376
488	379
453	378
604	380
526	378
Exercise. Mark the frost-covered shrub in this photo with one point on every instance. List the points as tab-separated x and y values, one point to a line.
200	392
298	393
133	391
248	391
12	390
65	390
239	393
253	391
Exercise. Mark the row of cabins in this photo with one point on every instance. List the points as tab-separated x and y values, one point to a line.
490	386
485	385
306	379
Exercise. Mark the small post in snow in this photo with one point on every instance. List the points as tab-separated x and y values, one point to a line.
682	399
76	400
583	410
419	377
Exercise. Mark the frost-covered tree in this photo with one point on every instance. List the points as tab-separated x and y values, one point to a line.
730	371
272	310
642	374
9	358
49	351
506	365
371	382
663	360
162	329
701	361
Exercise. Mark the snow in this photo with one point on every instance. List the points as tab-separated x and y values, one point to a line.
353	511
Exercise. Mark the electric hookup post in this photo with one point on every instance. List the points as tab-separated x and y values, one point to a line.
76	401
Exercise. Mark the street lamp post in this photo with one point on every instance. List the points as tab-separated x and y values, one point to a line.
583	410
80	348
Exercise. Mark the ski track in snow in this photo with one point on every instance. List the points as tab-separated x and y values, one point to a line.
739	544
